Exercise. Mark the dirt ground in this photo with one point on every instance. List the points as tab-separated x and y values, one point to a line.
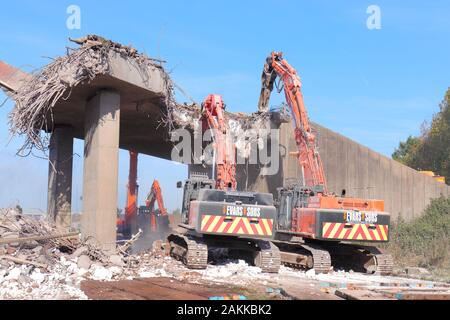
170	289
151	289
236	279
157	289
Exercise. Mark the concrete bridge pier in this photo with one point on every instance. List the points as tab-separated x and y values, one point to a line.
59	204
101	158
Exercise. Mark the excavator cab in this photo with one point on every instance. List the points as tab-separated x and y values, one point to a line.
209	211
225	212
192	188
152	220
289	198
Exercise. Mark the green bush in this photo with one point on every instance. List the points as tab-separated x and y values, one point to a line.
424	241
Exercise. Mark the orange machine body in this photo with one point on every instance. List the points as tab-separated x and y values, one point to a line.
131	222
155	196
313	211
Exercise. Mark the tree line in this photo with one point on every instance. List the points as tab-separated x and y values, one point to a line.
431	149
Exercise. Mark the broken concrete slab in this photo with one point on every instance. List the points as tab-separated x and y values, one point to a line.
116	260
64	86
11	78
84	262
79	251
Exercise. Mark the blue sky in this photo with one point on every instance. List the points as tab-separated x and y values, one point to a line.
374	86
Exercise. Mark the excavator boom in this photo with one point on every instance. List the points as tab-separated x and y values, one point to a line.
308	156
127	224
135	218
132	190
213	117
308	211
155	195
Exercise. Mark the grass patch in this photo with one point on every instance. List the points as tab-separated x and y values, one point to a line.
425	241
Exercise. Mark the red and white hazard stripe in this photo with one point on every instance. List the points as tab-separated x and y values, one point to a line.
345	231
236	225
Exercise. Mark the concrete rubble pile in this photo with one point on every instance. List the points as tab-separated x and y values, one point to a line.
48	268
54	268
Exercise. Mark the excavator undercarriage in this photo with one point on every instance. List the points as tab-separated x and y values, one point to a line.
192	250
324	257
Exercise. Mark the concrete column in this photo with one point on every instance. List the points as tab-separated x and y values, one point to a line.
101	158
59	203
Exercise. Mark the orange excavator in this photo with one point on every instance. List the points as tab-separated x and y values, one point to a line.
128	224
158	218
146	218
215	215
315	228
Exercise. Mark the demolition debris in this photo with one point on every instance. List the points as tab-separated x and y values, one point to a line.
35	99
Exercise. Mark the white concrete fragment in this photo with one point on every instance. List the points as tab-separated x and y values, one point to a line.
116	260
147	274
84	262
101	273
14	274
38	277
311	273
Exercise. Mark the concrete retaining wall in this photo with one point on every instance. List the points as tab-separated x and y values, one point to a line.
365	173
349	165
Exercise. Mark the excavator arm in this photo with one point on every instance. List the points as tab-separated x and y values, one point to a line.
132	190
125	225
213	117
155	195
307	153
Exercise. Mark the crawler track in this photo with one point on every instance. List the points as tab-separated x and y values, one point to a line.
191	251
304	256
368	259
321	258
268	257
385	264
324	256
